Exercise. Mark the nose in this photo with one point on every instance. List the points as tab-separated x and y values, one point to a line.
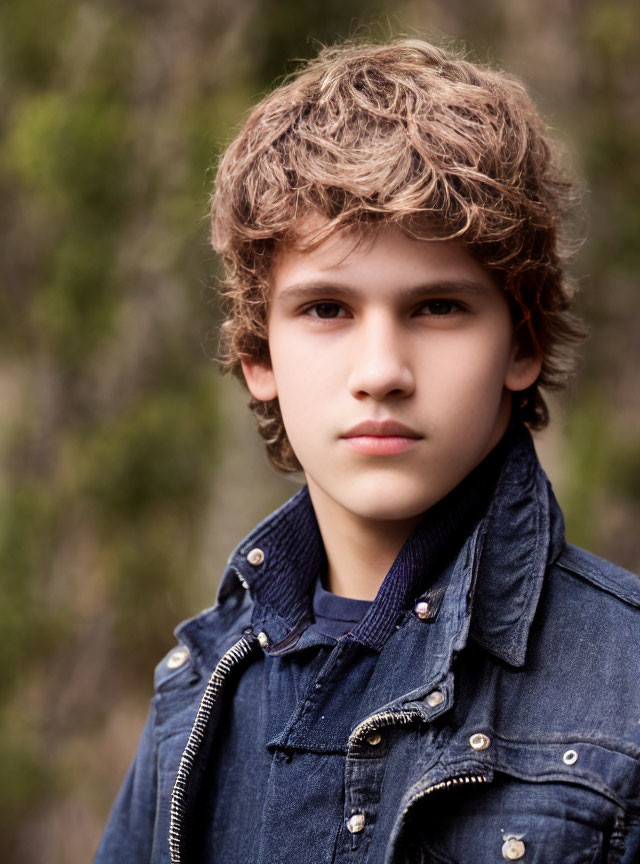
381	363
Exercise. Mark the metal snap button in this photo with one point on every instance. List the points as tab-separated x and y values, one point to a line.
374	738
422	609
263	639
435	698
479	741
355	823
255	557
513	848
570	757
178	657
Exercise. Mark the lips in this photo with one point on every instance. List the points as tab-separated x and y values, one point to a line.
381	439
381	429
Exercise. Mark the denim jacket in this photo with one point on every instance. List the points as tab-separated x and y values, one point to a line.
499	721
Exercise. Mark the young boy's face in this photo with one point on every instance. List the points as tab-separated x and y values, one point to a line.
411	338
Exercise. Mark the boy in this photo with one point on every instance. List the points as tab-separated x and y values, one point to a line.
406	662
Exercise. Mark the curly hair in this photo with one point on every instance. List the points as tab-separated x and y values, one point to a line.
407	134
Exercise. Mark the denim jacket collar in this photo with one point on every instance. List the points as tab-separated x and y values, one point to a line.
520	533
523	532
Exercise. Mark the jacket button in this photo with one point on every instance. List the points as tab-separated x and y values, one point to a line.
255	557
479	741
422	610
263	639
355	823
513	848
178	657
435	698
570	757
374	738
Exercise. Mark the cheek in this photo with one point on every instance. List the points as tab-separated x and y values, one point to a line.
306	374
305	395
469	371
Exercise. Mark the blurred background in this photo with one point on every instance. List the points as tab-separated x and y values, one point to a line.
130	468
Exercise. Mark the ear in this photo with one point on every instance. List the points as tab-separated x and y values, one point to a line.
260	380
523	369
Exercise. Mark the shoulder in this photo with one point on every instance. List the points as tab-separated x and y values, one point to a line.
204	638
182	675
586	596
588	626
604	577
584	648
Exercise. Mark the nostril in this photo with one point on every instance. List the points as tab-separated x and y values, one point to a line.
380	383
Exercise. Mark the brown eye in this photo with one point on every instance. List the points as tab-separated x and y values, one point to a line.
325	310
440	307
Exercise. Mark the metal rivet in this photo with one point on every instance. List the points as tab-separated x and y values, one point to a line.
255	557
178	657
374	738
422	609
479	741
435	698
513	848
263	639
355	823
570	757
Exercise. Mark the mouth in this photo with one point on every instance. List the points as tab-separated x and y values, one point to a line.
381	437
382	429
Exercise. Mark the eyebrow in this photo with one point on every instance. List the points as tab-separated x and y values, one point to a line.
315	289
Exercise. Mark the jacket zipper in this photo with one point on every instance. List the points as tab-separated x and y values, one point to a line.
238	652
390	718
456	780
451	782
380	721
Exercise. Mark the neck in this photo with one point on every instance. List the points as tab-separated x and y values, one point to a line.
359	551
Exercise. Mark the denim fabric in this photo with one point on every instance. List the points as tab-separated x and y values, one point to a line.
503	723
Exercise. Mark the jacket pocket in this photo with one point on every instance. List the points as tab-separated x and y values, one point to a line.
526	802
508	820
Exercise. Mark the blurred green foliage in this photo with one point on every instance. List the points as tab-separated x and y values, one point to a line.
286	32
33	33
27	540
157	455
113	446
27	780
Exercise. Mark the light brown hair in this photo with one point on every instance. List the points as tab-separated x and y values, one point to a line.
405	134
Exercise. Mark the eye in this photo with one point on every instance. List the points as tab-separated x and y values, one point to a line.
440	307
324	310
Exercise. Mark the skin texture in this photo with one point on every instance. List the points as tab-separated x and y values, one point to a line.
394	330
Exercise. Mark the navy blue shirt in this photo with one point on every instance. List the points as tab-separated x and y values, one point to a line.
334	615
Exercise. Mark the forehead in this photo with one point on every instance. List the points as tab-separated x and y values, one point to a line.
382	258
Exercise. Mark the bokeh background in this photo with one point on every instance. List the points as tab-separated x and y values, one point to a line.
130	468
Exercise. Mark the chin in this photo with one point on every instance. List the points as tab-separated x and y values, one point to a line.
393	509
